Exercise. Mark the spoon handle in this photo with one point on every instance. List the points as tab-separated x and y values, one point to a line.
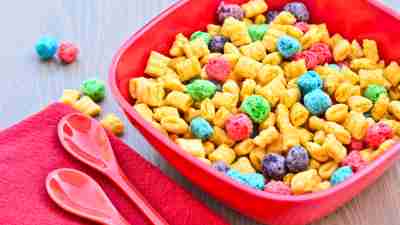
137	198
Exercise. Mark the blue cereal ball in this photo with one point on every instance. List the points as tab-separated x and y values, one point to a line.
309	81
201	128
341	174
288	46
220	166
46	47
299	10
317	102
254	180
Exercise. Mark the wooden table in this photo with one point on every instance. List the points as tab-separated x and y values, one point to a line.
99	27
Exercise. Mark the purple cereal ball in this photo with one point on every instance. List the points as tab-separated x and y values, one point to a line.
229	10
299	10
271	15
220	166
217	44
273	166
297	159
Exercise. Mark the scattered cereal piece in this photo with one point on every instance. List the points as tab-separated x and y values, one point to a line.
203	35
256	107
217	44
201	89
311	58
114	124
305	182
273	166
377	134
243	165
299	10
192	146
309	81
277	187
317	102
94	88
323	52
239	127
355	161
257	32
341	175
67	52
201	128
70	96
229	10
373	92
288	46
46	47
218	69
87	106
254	180
297	159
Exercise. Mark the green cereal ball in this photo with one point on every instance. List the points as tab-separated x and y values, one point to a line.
257	32
373	92
257	107
94	88
199	34
201	89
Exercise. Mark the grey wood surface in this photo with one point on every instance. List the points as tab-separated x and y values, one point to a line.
99	27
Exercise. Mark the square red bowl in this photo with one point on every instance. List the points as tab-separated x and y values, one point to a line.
351	18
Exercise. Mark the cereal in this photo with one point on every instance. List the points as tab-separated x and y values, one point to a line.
323	52
360	104
255	50
67	52
244	147
337	113
311	58
309	82
377	134
284	18
87	106
220	166
179	100
192	146
272	14
266	137
203	35
299	10
201	89
392	73
277	187
217	44
236	31
256	156
254	7
239	127
46	48
200	128
256	107
394	108
297	159
243	165
334	148
70	96
114	124
229	10
356	145
305	182
357	124
254	180
288	46
223	153
317	152
317	102
303	26
373	92
355	161
94	88
257	32
273	165
341	175
157	64
174	125
327	169
298	114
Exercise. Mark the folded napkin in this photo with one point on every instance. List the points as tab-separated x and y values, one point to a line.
31	149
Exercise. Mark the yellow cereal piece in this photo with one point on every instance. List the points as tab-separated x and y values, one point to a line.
247	67
230	48
209	147
341	50
174	61
312	36
231	86
331	83
357	124
322	186
256	156
247	21
370	50
305	182
276	146
381	107
282	117
290	97
70	96
392	73
260	19
344	91
87	106
188	68
221	116
158	126
254	50
315	123
174	125
170	81
298	114
273	58
223	153
382	149
179	100
290	138
232	59
213	29
192	146
243	165
191	113
151	93
295	69
266	137
236	30
248	87
368	77
204	60
317	152
287	179
350	76
254	7
204	160
284	18
337	113
270	41
394	109
366	155
305	135
319	137
244	147
144	111
273	90
196	48
326	170
270	121
207	109
335	39
112	123
225	99
219	137
362	63
356	50
157	64
314	164
394	93
164	111
177	47
360	104
137	86
294	31
267	73
334	148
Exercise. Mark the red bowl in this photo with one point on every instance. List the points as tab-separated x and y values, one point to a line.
351	18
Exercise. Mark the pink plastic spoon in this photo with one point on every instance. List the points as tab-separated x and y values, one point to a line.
85	139
79	194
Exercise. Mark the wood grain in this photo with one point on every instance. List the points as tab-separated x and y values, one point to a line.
99	27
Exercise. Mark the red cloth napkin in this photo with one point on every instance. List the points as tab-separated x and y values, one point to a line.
31	149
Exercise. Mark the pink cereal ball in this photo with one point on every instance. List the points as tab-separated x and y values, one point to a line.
218	69
277	187
356	145
67	52
377	134
239	127
355	161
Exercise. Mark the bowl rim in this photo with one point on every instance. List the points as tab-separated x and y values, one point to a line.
393	151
